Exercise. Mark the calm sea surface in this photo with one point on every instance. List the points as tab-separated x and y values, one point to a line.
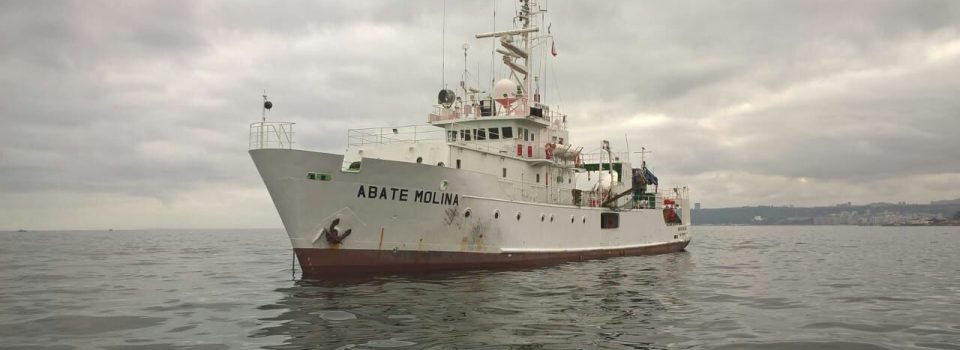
735	288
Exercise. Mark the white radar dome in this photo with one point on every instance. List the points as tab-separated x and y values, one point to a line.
505	92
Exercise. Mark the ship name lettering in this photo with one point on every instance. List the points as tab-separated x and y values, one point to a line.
401	194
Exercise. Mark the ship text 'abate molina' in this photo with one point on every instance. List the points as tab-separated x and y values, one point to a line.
403	195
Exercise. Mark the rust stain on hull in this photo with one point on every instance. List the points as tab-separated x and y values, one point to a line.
381	239
319	262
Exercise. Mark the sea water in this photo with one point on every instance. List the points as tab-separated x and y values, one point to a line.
758	287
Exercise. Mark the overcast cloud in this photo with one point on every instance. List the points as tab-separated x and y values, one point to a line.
135	114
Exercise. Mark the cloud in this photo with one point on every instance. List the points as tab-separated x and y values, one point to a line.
140	109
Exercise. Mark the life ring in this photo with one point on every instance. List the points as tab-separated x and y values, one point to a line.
548	150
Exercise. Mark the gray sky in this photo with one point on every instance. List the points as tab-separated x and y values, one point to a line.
135	114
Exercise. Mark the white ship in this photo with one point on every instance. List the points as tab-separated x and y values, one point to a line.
493	180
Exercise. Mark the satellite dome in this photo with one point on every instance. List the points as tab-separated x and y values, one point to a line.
505	92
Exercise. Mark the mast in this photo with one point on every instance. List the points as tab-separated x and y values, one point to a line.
521	51
525	19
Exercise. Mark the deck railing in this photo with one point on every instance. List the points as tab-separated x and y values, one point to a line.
271	135
409	133
602	157
555	119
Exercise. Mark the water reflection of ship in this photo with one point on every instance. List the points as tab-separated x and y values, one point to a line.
595	301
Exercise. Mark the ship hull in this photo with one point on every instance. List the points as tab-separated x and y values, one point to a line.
320	262
396	217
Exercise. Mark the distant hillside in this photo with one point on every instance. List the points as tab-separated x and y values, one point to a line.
871	214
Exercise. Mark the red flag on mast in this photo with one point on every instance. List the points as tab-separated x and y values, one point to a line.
553	48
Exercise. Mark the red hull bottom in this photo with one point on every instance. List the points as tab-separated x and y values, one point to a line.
338	262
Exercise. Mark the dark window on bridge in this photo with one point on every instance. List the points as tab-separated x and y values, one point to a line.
481	134
466	135
507	132
494	133
609	220
458	164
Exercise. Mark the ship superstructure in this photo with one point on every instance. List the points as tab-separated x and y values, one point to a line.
492	180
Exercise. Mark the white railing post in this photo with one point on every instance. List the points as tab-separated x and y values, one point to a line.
271	135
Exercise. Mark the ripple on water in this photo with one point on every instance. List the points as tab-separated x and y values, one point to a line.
168	346
389	343
873	299
939	346
76	324
882	328
801	345
336	315
222	307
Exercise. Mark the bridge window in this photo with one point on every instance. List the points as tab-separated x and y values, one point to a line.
452	136
609	220
507	132
494	133
526	135
481	134
465	135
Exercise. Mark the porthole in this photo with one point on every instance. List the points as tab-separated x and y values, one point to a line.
443	185
584	219
551	217
571	219
466	213
518	216
419	160
496	214
542	217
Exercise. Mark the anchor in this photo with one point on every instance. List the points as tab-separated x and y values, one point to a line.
333	233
